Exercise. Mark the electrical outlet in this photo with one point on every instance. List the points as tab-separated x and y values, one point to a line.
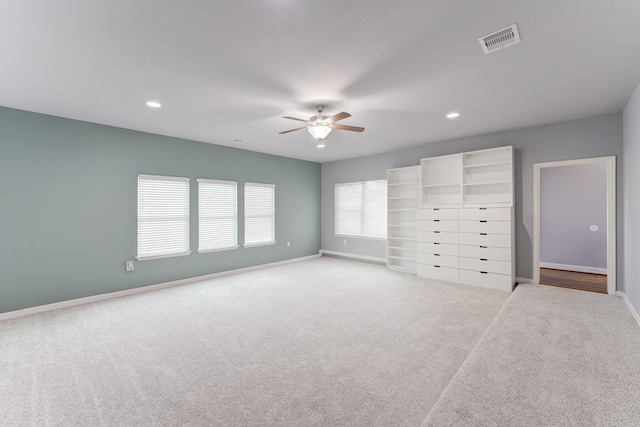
345	241
128	265
288	244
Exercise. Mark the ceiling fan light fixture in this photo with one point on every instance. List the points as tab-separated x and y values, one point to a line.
320	131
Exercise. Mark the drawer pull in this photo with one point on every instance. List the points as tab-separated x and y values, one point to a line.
483	220
436	220
437	232
483	247
483	234
483	209
484	259
436	254
436	266
436	209
483	272
436	243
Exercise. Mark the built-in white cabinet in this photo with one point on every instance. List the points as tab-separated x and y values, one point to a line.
403	193
465	224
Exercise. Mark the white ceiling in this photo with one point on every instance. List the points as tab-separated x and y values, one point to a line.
227	70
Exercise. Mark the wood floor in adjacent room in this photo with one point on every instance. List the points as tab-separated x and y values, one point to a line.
574	280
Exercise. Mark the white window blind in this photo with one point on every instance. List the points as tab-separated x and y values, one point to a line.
163	216
259	214
361	209
217	215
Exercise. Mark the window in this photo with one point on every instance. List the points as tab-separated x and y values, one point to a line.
217	215
259	214
163	216
361	209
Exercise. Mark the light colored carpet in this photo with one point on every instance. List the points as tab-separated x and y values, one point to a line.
325	342
552	357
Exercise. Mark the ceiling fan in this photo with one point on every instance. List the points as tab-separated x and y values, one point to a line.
320	126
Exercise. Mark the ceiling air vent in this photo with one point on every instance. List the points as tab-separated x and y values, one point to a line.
499	39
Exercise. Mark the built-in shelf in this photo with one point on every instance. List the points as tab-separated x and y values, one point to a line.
403	192
441	185
484	165
487	183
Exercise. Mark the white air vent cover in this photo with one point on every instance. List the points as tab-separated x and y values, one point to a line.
499	39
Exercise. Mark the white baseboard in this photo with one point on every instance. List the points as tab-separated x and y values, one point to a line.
142	289
354	256
633	311
578	268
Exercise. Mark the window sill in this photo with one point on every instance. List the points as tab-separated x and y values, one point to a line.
150	257
253	245
227	248
353	236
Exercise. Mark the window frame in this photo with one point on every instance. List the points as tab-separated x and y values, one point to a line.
141	219
362	210
233	184
272	216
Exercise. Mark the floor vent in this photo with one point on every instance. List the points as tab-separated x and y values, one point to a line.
500	39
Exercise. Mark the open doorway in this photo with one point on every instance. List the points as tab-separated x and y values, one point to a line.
574	224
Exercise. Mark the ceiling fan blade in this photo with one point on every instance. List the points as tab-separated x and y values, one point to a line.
294	118
339	116
345	127
291	130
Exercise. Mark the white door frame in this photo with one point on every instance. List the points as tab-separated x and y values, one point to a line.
610	162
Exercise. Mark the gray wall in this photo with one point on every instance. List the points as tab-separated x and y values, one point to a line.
592	137
571	199
632	199
68	194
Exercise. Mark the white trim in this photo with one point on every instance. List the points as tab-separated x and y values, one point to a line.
353	256
216	181
260	184
164	178
150	257
578	268
143	289
610	161
228	248
355	236
255	245
633	311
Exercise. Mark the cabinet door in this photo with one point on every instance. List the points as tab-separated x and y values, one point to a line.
442	214
484	239
437	237
437	248
499	214
441	260
437	225
486	252
485	226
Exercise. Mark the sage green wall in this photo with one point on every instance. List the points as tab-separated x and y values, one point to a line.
68	194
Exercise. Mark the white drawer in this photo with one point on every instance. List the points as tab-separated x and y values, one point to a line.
437	225
487	265
479	239
485	226
437	237
500	214
439	273
437	248
488	252
500	282
437	259
432	213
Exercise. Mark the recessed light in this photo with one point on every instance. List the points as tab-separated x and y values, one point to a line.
321	145
154	104
238	140
453	115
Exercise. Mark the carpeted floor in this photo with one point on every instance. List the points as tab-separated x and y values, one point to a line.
552	357
325	342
